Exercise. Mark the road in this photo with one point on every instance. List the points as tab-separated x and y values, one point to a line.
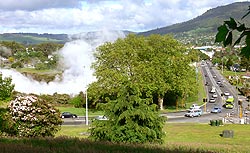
211	75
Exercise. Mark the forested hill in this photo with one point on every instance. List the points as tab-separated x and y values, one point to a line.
207	22
34	38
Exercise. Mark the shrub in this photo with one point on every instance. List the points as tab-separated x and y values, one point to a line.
30	116
132	118
6	87
78	100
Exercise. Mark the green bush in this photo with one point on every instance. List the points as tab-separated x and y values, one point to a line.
6	87
78	100
132	118
30	116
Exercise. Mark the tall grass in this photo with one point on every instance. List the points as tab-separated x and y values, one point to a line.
76	145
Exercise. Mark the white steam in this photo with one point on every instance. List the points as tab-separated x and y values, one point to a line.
77	59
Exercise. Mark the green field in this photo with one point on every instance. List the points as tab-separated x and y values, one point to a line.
190	136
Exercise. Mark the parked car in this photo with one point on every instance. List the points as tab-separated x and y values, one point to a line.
212	100
68	115
194	113
216	109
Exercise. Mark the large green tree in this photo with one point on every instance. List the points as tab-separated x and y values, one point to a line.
156	64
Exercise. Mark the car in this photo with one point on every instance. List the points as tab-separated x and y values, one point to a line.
205	75
68	115
207	84
212	100
213	90
194	113
216	109
218	82
221	85
214	95
102	117
214	76
226	93
228	105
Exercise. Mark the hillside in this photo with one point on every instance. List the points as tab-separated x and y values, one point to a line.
33	38
204	25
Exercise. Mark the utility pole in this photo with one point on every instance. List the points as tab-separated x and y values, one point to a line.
87	118
86	99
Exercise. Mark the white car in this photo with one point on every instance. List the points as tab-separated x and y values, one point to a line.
215	95
212	100
226	93
194	113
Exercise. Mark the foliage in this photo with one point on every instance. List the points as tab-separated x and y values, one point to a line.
245	63
132	118
152	63
56	98
78	101
13	46
30	116
6	87
226	32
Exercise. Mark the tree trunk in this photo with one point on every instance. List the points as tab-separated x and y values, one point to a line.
160	102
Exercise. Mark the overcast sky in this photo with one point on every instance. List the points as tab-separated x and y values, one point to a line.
76	16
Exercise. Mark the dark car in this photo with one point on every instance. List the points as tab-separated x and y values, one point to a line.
68	115
221	85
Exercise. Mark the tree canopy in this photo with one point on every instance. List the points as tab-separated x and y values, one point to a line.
156	64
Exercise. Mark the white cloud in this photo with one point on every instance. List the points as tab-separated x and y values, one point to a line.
37	4
74	16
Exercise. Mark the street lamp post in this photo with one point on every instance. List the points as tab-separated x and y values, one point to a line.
87	118
86	100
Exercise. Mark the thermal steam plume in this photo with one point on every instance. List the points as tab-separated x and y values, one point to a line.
77	57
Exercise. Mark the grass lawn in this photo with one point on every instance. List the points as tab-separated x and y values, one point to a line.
80	111
206	136
190	135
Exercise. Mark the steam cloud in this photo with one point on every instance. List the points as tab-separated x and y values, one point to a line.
77	59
